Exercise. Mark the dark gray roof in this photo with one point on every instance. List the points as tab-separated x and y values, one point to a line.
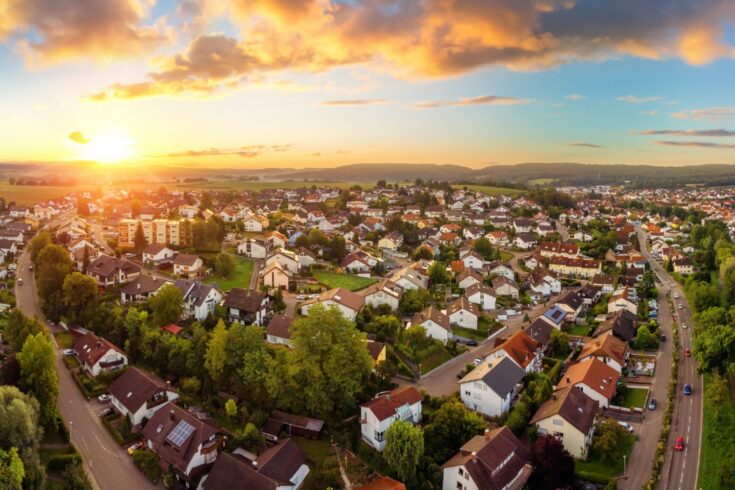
502	376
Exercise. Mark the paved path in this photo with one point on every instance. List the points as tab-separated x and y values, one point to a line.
107	464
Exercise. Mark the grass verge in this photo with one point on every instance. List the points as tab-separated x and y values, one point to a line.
347	281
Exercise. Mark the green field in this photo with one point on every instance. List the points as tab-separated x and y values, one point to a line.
493	191
541	181
635	397
718	443
347	281
242	185
239	279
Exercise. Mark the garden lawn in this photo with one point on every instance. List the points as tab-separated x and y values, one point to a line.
718	443
579	330
240	278
316	450
596	466
65	340
347	281
468	333
635	397
505	256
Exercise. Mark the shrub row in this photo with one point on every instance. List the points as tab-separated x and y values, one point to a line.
59	462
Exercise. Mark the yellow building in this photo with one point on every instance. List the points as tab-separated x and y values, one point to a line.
161	231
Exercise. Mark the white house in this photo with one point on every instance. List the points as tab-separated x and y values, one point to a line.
463	313
286	258
187	265
569	415
385	292
491	386
346	301
274	276
435	322
481	295
139	395
157	253
595	378
255	249
378	414
97	355
199	299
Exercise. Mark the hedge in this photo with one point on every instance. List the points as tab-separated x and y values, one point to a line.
58	463
555	372
593	477
123	441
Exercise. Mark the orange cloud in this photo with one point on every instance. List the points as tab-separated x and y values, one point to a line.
437	38
97	29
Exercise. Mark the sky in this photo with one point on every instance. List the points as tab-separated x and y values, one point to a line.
319	83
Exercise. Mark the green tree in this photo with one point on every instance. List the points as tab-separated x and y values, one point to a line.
139	241
80	299
559	344
452	425
247	346
438	273
38	375
38	243
20	428
74	478
167	305
644	339
610	441
329	360
18	328
483	246
147	462
225	264
231	408
714	348
216	357
52	267
11	469
404	449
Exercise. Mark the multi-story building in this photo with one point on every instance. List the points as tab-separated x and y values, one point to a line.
157	231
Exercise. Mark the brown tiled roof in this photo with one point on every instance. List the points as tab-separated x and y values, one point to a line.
521	348
134	387
431	313
340	296
572	405
91	348
606	345
280	462
375	348
185	259
462	303
248	300
279	326
595	374
385	406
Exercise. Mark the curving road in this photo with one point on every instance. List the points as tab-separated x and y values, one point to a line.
681	468
108	465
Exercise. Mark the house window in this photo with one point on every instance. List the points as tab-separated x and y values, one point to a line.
558	422
461	472
460	486
379	436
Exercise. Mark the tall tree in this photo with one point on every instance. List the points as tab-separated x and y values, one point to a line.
38	375
20	428
38	243
451	426
53	265
139	241
610	441
438	273
215	359
553	466
11	469
329	360
224	264
80	299
167	305
404	449
18	328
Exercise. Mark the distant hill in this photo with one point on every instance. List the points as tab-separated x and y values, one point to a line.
561	173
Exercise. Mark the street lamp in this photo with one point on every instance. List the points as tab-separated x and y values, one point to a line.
625	466
71	426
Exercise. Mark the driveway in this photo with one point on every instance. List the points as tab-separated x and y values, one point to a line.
107	464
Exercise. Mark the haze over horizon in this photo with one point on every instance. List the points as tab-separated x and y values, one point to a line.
323	83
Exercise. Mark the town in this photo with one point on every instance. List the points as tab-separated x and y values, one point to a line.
369	336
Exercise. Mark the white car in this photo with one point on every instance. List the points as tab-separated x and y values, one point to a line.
684	326
478	361
626	426
104	398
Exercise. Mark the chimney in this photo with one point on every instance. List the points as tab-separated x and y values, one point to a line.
172	415
255	465
487	434
568	380
138	285
474	456
553	396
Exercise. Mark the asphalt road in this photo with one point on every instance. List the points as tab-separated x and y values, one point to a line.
107	464
680	470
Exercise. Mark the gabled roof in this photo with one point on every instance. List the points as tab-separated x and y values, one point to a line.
521	348
433	314
90	348
555	314
540	331
571	404
462	303
280	326
247	300
134	387
144	285
595	374
385	406
605	345
186	259
501	375
340	296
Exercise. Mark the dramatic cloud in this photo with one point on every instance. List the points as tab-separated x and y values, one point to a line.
698	144
353	102
715	133
584	145
633	99
48	31
481	100
248	151
78	137
438	38
710	114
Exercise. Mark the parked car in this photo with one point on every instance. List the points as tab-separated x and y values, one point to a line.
663	337
471	343
681	307
104	398
478	361
687	389
684	326
135	447
461	374
30	267
107	411
679	444
687	353
70	352
652	404
626	426
20	281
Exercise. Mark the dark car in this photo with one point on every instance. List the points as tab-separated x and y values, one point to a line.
687	389
471	343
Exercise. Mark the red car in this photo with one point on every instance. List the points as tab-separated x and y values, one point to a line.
679	444
687	353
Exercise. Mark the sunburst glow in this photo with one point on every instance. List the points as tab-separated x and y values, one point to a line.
109	148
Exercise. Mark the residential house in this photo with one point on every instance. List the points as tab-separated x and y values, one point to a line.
278	331
605	281
410	278
495	460
554	316
184	442
188	265
138	395
248	306
378	352
469	277
584	268
481	295
525	241
623	324
141	288
435	322
597	379
355	264
385	292
463	313
683	266
498	268
157	253
520	348
540	331
552	249
473	260
200	299
573	303
255	223
348	303
286	258
506	287
274	276
621	301
490	387
253	248
378	414
569	415
392	241
608	349
97	355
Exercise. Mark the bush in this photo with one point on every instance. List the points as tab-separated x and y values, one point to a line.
59	462
147	462
555	371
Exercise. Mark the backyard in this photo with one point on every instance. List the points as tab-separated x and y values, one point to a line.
347	281
634	397
240	278
595	469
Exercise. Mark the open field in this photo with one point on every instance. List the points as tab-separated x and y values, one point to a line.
239	279
347	281
540	181
493	191
241	185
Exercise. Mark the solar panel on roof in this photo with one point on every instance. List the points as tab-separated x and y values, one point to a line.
180	434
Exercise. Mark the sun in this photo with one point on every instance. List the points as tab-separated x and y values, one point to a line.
109	148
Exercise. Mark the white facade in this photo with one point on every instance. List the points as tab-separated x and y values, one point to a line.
374	430
479	397
464	318
435	331
486	302
144	411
